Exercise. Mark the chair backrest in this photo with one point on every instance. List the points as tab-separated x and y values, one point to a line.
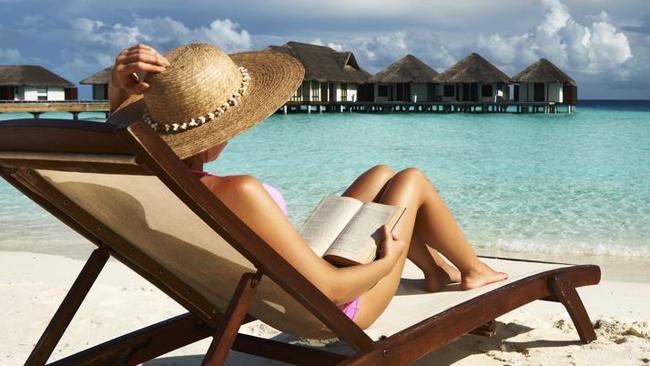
125	190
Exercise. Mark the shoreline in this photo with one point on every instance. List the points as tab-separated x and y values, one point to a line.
33	284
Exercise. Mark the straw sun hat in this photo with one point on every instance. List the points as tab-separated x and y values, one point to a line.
206	97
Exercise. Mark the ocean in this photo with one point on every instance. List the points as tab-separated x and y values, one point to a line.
560	184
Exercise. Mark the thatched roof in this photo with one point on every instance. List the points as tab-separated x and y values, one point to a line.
31	75
100	77
325	64
408	69
543	71
473	69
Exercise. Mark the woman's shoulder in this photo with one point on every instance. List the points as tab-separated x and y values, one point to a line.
232	183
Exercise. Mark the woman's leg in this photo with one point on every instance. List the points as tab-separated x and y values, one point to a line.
409	188
369	187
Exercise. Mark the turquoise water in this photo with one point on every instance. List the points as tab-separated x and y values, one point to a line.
552	184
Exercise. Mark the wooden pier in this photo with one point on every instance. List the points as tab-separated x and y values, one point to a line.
36	108
427	107
77	107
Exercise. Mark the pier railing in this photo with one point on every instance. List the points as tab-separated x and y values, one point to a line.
75	107
36	108
429	107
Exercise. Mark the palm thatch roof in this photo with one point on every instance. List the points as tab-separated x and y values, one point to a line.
100	77
325	64
35	75
543	71
408	69
473	69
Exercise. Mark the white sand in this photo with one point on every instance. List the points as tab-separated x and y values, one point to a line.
33	285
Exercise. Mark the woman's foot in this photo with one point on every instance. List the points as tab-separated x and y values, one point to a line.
481	276
440	277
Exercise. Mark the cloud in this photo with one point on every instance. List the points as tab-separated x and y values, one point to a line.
335	46
375	52
161	32
592	49
100	42
10	56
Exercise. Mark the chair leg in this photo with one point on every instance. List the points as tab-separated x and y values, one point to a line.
232	320
68	308
488	329
568	296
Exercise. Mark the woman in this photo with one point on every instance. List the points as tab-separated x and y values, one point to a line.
179	97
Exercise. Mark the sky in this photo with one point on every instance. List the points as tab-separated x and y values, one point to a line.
604	45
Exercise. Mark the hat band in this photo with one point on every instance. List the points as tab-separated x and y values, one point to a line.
233	101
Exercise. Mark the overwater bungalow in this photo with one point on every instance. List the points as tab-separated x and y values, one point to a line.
406	80
544	82
473	79
99	82
330	76
34	83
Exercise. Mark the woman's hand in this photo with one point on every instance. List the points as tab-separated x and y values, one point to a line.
391	247
129	63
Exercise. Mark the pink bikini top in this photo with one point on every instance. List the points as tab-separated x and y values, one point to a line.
272	191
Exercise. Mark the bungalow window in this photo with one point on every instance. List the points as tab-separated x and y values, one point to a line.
315	91
486	90
41	93
344	92
297	96
382	91
449	91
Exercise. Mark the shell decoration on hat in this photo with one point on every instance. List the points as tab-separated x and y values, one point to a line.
233	101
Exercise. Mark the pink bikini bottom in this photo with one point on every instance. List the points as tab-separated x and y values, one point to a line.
351	308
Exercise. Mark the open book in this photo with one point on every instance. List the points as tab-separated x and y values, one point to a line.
345	231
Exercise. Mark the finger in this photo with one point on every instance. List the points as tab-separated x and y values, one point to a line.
149	58
137	88
139	67
141	46
131	53
387	234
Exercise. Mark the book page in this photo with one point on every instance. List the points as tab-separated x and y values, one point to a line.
358	241
327	221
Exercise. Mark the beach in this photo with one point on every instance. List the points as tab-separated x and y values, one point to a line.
566	188
540	333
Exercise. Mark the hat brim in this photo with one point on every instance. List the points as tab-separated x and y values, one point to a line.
274	79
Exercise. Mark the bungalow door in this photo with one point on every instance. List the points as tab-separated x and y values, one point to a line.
466	92
324	95
473	92
7	93
538	92
332	90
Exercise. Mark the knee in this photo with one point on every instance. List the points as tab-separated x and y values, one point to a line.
382	171
411	173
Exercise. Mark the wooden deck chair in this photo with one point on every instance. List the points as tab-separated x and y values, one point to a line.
123	189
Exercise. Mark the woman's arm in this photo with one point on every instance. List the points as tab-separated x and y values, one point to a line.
132	61
246	197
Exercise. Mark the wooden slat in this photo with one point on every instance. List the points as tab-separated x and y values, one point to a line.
142	345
